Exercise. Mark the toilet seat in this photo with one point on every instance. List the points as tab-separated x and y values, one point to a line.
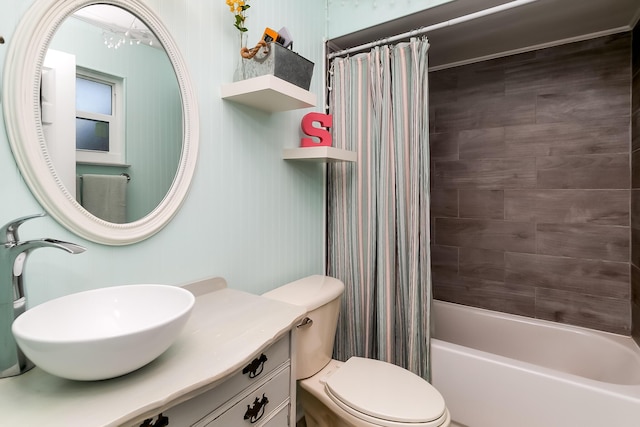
385	394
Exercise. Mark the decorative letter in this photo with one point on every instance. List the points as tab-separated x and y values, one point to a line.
325	120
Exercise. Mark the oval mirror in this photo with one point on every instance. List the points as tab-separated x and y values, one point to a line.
132	123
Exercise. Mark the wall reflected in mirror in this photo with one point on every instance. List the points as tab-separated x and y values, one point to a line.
111	104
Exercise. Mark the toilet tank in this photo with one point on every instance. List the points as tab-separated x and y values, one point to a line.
320	295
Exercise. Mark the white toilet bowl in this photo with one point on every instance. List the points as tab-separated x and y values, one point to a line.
367	393
359	392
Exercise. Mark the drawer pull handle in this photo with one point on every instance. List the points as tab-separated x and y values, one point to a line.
256	412
256	367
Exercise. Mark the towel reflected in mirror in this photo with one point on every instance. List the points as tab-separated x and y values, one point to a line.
105	196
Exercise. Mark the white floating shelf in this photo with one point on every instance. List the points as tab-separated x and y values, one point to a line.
319	154
268	93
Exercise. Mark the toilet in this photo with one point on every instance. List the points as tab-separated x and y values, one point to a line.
359	392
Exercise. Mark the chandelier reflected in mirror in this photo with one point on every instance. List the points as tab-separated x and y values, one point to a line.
115	39
120	27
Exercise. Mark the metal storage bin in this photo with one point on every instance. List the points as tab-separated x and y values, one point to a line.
279	61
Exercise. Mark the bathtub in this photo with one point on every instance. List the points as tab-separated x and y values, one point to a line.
501	370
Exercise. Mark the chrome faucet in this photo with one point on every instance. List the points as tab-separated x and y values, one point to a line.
13	255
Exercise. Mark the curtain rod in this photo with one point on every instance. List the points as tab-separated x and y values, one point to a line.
423	30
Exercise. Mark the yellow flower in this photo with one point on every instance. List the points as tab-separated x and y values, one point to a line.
238	8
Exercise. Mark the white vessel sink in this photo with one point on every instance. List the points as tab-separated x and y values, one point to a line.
103	333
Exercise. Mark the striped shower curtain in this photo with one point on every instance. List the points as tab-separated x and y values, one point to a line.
378	207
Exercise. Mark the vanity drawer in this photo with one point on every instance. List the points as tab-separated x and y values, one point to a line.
257	406
279	419
260	367
255	371
264	363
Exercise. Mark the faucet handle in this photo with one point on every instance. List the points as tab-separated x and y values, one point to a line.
10	230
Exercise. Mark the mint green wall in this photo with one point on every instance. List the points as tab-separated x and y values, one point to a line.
250	216
345	17
152	96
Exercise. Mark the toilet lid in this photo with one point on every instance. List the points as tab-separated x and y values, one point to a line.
385	391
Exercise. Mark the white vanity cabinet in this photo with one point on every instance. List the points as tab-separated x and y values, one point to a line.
260	394
232	360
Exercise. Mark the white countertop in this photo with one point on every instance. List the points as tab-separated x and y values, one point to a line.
226	329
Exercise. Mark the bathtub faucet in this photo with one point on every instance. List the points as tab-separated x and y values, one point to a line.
13	302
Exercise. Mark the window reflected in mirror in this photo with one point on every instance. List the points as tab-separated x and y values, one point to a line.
99	120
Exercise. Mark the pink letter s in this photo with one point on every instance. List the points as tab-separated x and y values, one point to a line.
325	120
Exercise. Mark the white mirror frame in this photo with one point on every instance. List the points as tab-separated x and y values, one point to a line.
21	101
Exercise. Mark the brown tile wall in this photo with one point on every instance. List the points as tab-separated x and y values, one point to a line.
635	186
531	184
